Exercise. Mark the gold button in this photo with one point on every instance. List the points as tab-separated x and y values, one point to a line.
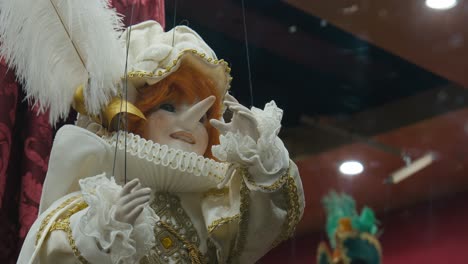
166	242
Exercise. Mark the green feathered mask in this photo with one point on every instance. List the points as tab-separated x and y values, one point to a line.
351	235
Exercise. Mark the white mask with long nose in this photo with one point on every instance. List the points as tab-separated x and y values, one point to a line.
180	125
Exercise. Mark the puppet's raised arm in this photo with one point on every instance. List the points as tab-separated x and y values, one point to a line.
264	199
251	140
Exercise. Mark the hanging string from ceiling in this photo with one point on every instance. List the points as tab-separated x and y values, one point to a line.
174	22
246	42
124	94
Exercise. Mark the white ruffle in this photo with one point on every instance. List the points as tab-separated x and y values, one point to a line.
124	242
267	158
87	123
166	169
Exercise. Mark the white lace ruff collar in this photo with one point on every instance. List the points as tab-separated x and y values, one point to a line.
163	168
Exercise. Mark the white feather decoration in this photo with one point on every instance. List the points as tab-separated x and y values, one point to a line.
48	41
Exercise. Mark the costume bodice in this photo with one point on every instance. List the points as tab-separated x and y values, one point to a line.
175	234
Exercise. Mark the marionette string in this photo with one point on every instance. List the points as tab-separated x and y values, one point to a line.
125	95
174	22
246	41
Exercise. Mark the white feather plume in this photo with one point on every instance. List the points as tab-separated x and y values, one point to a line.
37	43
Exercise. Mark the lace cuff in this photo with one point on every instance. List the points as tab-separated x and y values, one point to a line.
123	242
267	159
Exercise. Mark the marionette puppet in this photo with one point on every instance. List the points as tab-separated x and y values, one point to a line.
182	185
352	236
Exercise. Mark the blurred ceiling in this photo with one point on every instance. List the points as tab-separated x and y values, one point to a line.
389	72
432	39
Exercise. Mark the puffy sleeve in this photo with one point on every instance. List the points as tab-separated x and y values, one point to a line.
263	199
121	242
82	229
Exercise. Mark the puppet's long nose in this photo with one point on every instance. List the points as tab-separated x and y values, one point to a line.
192	115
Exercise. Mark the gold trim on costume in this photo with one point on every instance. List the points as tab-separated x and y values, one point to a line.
195	255
71	241
272	187
293	209
216	192
168	69
240	240
175	235
293	217
63	223
46	220
222	221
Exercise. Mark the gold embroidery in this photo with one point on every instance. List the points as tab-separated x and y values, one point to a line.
71	241
168	68
293	217
222	221
167	242
216	192
293	210
195	255
176	237
63	223
46	220
169	208
243	219
269	188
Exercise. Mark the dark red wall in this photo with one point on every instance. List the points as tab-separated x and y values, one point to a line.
435	232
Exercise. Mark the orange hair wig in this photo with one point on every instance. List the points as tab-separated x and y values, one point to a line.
186	85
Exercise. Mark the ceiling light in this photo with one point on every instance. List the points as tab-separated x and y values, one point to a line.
351	167
441	4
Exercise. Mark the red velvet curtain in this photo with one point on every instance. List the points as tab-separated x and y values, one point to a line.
25	143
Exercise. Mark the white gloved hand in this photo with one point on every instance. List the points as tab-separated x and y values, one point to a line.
242	121
251	140
132	200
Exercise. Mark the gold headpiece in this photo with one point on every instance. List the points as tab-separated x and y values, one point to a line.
107	118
